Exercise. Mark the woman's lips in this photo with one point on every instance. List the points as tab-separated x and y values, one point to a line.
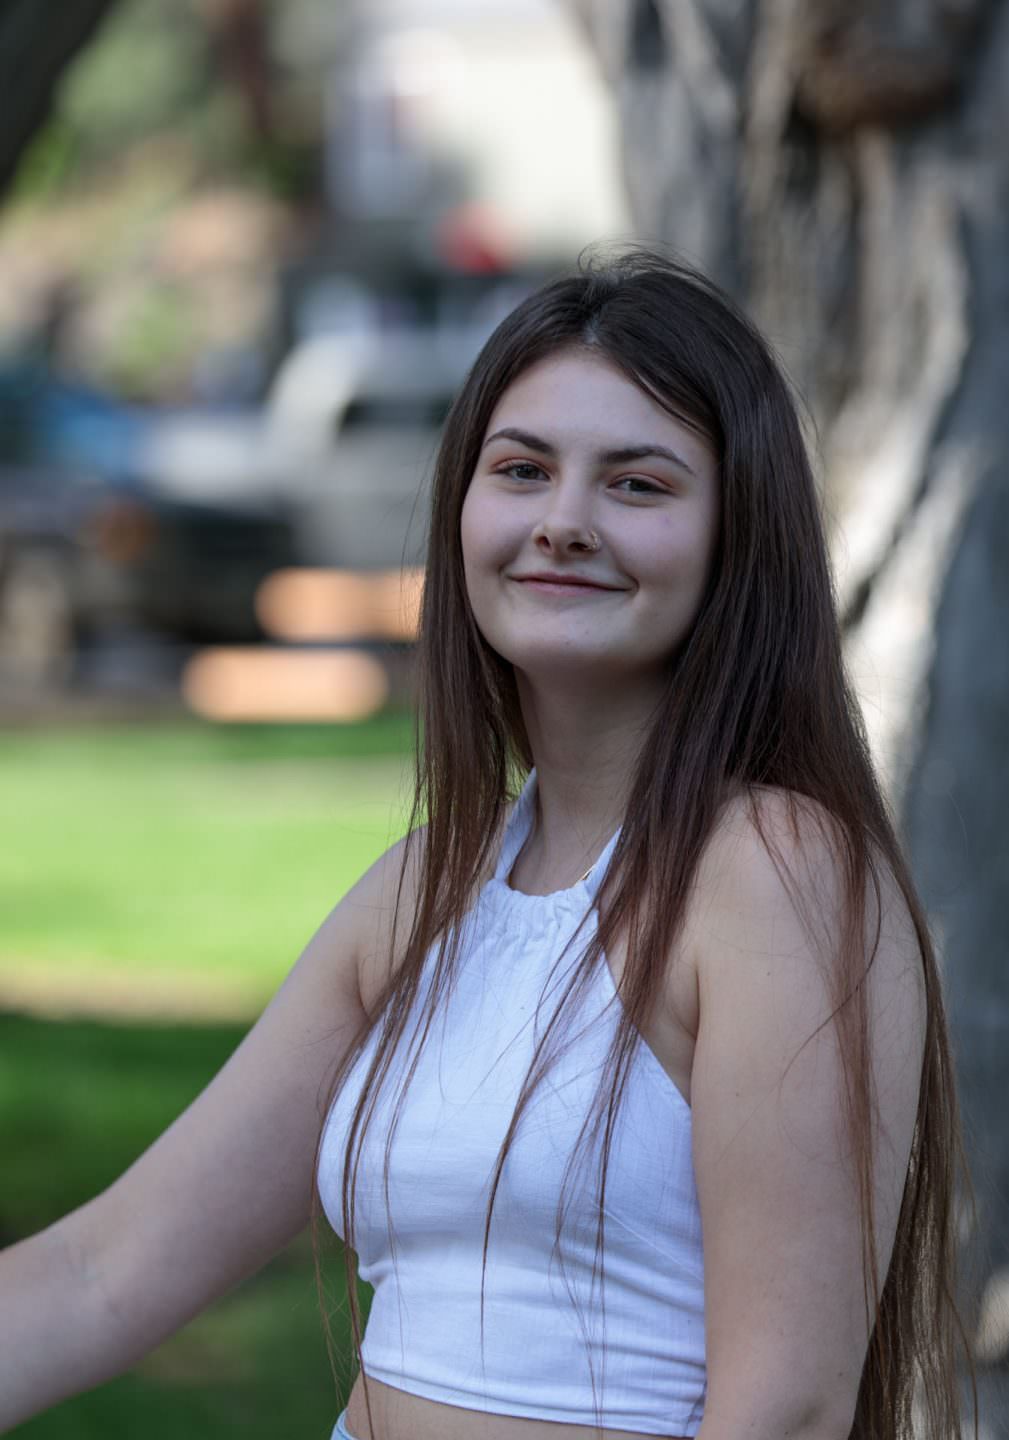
566	585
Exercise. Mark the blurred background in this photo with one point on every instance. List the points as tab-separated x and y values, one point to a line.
248	250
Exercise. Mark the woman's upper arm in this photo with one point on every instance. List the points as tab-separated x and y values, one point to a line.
230	1182
784	1305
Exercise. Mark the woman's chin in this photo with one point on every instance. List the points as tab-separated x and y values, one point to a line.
567	667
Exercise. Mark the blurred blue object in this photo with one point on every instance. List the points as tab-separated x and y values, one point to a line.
92	539
46	420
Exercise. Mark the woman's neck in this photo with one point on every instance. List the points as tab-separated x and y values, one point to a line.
585	753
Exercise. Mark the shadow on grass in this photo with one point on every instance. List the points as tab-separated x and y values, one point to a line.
391	733
79	1101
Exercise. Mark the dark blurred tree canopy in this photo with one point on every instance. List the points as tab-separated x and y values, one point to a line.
36	45
159	159
204	70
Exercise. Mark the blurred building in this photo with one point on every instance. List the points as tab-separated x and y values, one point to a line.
488	109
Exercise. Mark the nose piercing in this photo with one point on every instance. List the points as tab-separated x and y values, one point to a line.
593	542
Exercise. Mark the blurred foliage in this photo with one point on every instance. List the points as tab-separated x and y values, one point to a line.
148	68
151	72
78	1102
48	163
185	867
170	186
151	130
146	71
157	335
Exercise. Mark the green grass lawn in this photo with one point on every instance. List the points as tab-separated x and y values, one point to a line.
174	870
182	869
79	1100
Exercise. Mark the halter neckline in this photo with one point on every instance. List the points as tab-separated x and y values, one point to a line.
517	831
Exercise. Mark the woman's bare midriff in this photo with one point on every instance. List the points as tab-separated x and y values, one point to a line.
401	1416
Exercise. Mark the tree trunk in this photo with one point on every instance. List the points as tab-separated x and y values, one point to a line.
239	36
37	42
841	167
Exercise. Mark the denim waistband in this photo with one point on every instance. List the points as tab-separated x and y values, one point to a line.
340	1431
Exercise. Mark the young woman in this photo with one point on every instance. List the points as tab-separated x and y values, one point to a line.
643	1116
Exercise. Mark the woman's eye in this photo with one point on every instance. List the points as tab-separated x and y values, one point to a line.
521	470
638	485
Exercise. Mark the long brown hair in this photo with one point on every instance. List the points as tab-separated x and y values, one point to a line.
756	697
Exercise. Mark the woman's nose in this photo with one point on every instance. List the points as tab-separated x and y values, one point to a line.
566	525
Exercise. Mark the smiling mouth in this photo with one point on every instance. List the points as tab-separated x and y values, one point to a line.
563	585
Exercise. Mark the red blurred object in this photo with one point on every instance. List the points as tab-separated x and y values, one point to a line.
471	238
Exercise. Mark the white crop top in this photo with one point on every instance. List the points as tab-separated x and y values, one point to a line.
423	1331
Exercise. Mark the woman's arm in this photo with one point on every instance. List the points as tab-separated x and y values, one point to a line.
219	1193
785	1328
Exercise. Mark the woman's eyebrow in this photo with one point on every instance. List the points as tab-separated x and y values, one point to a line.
522	437
644	452
620	456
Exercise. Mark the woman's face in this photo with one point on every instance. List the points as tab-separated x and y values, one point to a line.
589	524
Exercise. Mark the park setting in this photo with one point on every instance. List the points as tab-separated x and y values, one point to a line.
163	880
250	253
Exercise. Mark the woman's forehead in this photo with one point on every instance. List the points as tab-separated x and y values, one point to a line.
577	397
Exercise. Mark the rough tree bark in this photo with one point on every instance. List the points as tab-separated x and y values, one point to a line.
841	167
37	42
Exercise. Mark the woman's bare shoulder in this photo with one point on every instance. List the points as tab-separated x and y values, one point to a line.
775	873
771	817
379	909
760	835
398	867
763	828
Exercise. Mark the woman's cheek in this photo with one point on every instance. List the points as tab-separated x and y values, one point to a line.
477	527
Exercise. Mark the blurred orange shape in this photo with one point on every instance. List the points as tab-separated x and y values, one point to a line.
398	595
263	684
304	604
